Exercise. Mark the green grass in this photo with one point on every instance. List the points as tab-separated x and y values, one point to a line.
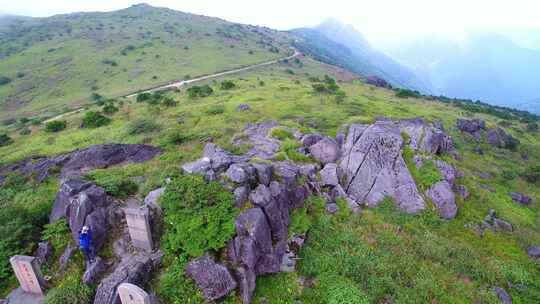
380	255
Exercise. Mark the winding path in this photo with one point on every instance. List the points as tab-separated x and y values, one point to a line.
179	84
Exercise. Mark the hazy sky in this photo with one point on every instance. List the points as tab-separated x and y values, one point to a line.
380	21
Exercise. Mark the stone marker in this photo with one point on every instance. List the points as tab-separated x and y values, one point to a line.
27	270
132	294
139	227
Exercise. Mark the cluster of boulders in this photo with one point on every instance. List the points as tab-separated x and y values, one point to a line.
378	82
496	136
363	167
492	222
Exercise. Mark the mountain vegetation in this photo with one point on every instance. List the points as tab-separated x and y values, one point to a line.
268	131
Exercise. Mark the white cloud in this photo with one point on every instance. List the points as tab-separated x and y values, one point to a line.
381	21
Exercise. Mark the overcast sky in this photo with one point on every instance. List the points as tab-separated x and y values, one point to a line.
381	21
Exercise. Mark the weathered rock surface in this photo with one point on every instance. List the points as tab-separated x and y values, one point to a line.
79	161
444	199
474	127
373	167
135	270
325	150
66	256
329	176
212	278
243	107
463	191
503	295
377	81
534	252
310	139
44	252
520	198
258	136
497	137
84	203
18	296
426	137
94	271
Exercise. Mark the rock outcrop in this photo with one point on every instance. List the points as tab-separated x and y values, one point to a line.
257	135
502	295
425	137
520	198
83	203
473	127
534	252
135	269
212	278
373	167
444	199
497	137
79	161
378	82
325	150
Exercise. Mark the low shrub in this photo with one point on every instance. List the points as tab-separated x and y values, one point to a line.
179	138
55	126
532	174
200	91
71	290
141	126
227	85
142	97
94	120
169	102
109	108
5	139
4	80
281	134
58	234
215	110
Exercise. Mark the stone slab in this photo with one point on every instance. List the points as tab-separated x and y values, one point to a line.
138	221
28	274
132	294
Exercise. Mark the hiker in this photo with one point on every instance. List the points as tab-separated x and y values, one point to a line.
85	241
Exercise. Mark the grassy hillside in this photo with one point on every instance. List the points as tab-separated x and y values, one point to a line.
379	256
50	64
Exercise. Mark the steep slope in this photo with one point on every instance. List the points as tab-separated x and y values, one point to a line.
60	61
335	43
487	67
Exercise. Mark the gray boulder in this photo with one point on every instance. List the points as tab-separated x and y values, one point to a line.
84	204
373	168
241	195
520	198
258	136
243	107
237	173
212	278
325	150
19	296
534	252
94	271
310	139
462	191
448	171
426	137
136	270
444	199
329	176
264	173
44	252
497	137
474	126
331	208
503	295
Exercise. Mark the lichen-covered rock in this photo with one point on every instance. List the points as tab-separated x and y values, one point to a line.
75	163
264	173
444	199
310	139
425	137
373	167
44	252
94	271
258	136
534	252
474	126
448	172
84	204
212	278
66	256
329	176
503	295
325	150
497	137
520	198
135	269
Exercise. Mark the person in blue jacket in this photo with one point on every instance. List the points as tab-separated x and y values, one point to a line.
85	242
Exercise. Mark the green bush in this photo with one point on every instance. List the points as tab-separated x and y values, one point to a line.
288	151
281	134
58	234
55	126
115	184
5	139
71	290
169	102
179	138
199	216
425	176
25	131
200	91
532	174
405	93
142	97
141	126
341	290
175	287
215	110
109	108
4	80
227	85
94	120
